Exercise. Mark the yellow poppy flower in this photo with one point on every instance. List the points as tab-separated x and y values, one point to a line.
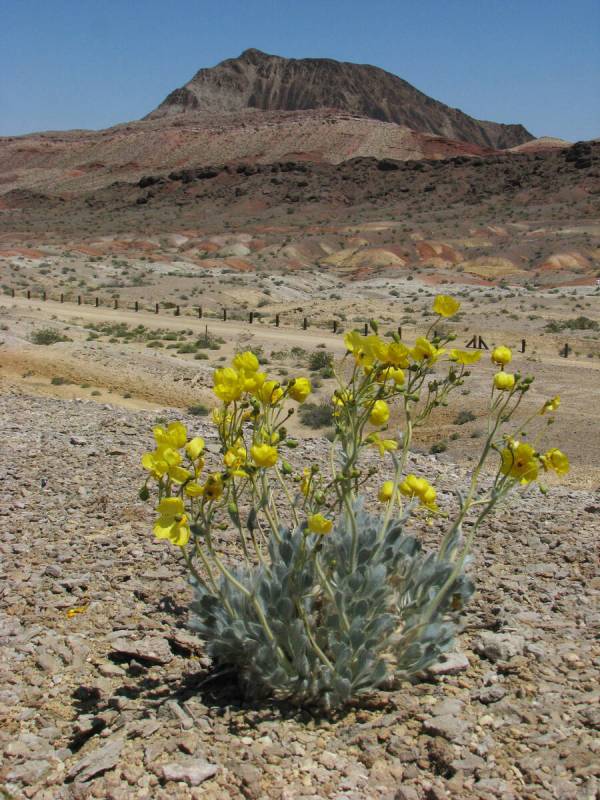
501	356
556	460
376	348
425	350
464	357
175	435
445	306
172	523
195	447
227	384
380	413
252	382
270	393
412	486
299	390
235	456
394	374
360	347
504	381
386	492
179	474
317	523
154	464
398	355
264	455
519	461
246	362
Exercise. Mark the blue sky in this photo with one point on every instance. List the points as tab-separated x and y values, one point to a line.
94	63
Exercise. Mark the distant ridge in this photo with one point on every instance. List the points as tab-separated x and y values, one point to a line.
274	83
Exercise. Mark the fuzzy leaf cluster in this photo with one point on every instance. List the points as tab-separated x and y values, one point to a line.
339	622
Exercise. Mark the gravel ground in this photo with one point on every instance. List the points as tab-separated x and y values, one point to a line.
118	701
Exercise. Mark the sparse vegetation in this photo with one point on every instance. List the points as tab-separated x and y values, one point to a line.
198	410
315	415
47	336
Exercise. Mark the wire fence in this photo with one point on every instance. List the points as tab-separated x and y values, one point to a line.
476	342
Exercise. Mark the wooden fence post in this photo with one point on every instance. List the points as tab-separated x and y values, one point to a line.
116	303
62	298
276	320
305	323
366	328
224	315
199	312
156	308
177	312
28	294
335	325
251	317
97	302
523	343
78	299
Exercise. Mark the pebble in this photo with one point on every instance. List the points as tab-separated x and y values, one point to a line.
193	773
153	649
99	760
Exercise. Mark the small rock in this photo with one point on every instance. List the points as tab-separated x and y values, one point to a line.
178	713
451	664
448	726
406	793
469	764
29	772
154	649
496	787
110	670
99	760
500	646
491	694
48	663
194	773
591	717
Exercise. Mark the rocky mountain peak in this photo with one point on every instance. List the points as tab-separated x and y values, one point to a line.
265	82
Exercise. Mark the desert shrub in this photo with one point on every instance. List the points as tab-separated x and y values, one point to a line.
316	415
57	380
575	324
320	360
48	336
198	410
438	447
329	598
463	417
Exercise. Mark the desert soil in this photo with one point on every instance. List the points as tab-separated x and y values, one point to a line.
117	700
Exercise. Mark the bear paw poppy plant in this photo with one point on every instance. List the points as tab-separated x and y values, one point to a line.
330	598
